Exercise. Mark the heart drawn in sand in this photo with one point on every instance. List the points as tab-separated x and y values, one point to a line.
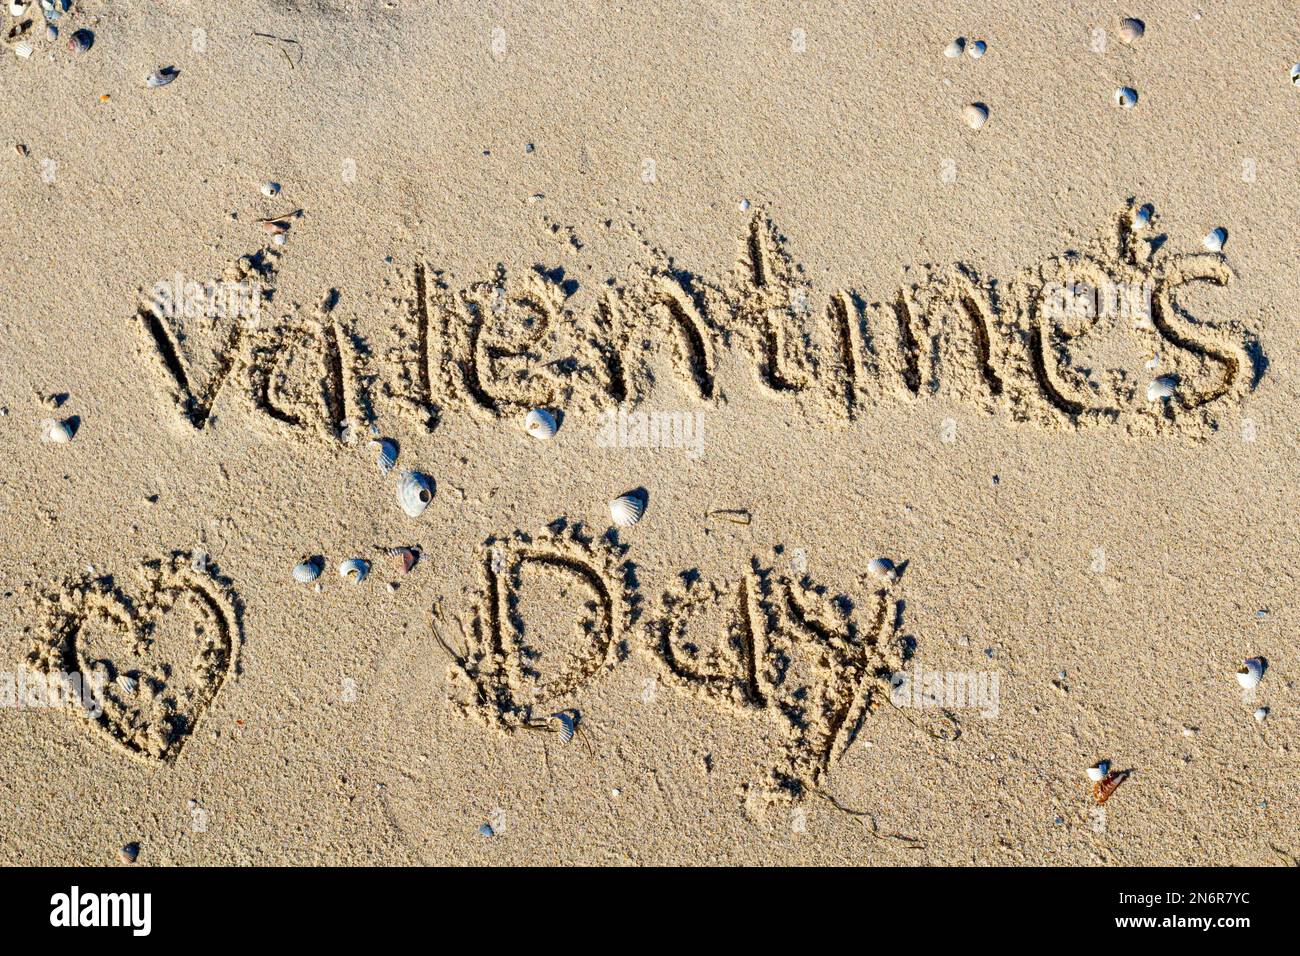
155	662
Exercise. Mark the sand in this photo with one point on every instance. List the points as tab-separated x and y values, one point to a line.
769	233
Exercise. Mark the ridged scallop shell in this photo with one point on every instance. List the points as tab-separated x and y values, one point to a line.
354	568
1251	672
540	424
1215	239
1161	388
414	492
567	725
975	115
1126	97
882	569
626	510
127	684
307	571
1131	29
387	453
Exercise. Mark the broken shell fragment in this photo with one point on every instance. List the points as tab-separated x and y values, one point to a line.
1251	672
408	556
882	569
975	115
1142	218
414	492
626	510
354	568
1161	388
56	432
387	449
307	571
1126	97
1215	239
161	77
954	49
540	424
1098	771
1131	29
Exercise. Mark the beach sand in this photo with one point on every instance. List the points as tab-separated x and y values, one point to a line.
769	231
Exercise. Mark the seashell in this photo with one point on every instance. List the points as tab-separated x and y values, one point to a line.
975	115
161	77
1131	29
977	49
1161	388
540	424
882	569
1295	74
56	432
409	557
305	572
567	725
17	8
354	568
199	561
1251	672
954	49
626	510
270	190
23	49
129	853
1102	789
1097	772
1142	217
414	492
127	683
81	41
744	205
1126	97
1215	239
486	830
387	449
1261	714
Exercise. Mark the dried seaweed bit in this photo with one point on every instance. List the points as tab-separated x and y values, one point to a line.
734	515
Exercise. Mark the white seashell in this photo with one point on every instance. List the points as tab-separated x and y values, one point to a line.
882	569
1215	239
23	49
955	48
387	449
270	189
1099	770
976	49
1251	672
1161	388
17	8
627	509
1126	97
567	725
1131	29
307	571
127	684
354	568
414	492
744	205
56	432
1261	714
161	77
1142	217
1295	74
540	424
975	115
1153	362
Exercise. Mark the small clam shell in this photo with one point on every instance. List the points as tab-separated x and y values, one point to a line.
1099	770
1215	239
1261	714
1142	217
567	725
414	492
161	77
955	48
387	449
129	853
1251	672
1161	388
81	41
977	49
1126	97
354	568
17	8
540	424
975	115
56	432
626	510
305	572
270	190
882	569
1131	29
